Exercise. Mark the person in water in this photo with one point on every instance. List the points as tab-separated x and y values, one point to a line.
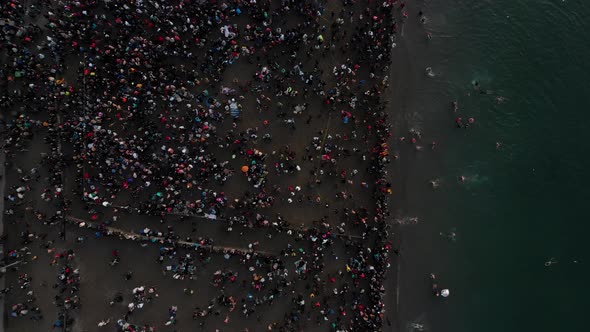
434	285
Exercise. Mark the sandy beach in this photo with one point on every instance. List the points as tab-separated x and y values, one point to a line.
224	173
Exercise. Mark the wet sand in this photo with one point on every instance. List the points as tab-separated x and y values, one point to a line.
2	188
419	104
402	94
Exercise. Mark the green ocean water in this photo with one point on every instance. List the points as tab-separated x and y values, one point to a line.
522	204
527	201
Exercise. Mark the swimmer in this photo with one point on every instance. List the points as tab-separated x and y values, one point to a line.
471	120
429	72
416	132
459	122
455	106
417	327
451	235
428	36
500	99
498	145
434	285
551	261
434	183
432	145
462	178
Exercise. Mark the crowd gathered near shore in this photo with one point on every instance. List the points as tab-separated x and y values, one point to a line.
243	115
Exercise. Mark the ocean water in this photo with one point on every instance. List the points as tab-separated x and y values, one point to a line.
524	201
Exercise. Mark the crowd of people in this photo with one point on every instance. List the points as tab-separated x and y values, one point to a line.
68	286
137	93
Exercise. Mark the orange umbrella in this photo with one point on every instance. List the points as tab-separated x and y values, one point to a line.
245	169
